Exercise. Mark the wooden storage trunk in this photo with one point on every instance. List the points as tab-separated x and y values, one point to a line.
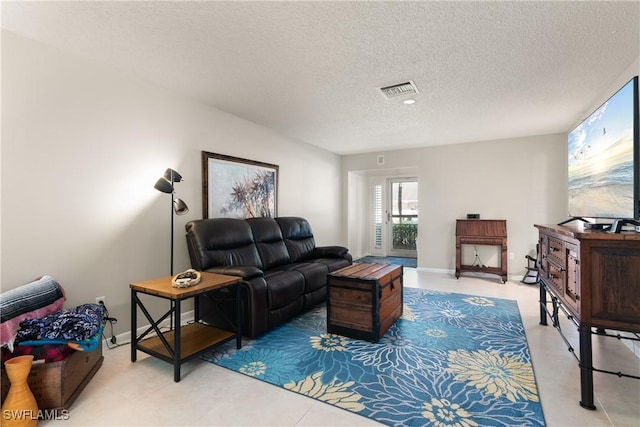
364	300
56	385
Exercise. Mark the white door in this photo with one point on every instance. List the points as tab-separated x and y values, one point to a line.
394	216
402	217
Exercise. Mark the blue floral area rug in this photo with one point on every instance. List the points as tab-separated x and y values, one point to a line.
451	360
406	262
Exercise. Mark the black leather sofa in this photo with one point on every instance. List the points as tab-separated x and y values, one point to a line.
283	272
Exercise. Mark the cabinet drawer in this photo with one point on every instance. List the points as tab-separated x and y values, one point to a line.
477	240
556	251
555	277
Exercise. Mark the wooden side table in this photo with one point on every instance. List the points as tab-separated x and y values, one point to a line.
488	232
181	343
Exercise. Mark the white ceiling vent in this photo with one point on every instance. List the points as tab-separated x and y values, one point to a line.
406	88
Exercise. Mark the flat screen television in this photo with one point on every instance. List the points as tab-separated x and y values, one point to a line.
604	162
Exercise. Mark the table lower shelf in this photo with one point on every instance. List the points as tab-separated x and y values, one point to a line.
500	271
194	338
480	269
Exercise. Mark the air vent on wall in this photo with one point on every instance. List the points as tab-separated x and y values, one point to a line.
399	89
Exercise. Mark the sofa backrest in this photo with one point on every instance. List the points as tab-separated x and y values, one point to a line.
259	242
269	242
216	242
298	237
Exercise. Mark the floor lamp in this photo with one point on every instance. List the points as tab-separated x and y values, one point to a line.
179	207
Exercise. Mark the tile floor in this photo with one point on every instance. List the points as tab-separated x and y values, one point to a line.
144	393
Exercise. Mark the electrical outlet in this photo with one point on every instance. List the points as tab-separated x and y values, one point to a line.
101	300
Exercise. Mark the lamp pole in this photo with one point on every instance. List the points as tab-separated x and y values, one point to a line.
172	199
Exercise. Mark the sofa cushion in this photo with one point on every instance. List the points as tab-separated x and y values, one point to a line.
315	282
221	241
315	274
298	237
283	287
269	242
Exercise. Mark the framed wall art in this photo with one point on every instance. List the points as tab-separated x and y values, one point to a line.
238	188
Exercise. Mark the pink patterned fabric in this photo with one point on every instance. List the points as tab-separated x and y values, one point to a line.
39	298
9	329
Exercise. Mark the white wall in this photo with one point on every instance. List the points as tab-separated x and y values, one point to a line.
522	180
357	214
82	146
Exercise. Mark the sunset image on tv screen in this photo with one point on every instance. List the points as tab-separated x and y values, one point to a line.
600	155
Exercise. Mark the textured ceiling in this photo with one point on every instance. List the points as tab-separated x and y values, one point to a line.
310	70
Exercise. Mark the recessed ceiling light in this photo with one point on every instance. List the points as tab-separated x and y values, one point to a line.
409	101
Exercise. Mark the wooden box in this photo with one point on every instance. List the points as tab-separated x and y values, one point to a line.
56	385
364	300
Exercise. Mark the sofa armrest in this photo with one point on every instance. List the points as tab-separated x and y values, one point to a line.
245	271
329	252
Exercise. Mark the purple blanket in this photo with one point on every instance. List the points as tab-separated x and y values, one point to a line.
76	324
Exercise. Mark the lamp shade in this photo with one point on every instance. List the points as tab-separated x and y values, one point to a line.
180	207
163	185
172	176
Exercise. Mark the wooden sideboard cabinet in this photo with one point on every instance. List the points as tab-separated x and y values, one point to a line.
490	232
595	277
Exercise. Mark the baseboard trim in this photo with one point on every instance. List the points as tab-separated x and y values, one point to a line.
125	337
513	277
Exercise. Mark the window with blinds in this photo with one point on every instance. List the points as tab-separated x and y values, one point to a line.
377	216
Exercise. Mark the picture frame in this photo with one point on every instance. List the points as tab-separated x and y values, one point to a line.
233	187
